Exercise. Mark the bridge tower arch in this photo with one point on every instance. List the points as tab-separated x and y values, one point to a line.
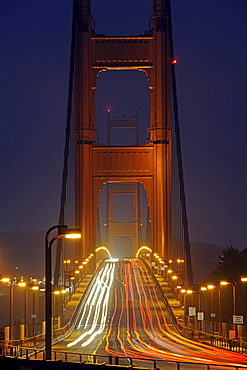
129	227
149	164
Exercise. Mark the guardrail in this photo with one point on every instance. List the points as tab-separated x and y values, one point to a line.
213	340
34	346
73	359
217	341
38	341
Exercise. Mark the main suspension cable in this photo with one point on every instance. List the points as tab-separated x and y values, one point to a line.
66	147
179	154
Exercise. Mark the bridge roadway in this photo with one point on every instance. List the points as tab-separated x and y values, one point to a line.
124	314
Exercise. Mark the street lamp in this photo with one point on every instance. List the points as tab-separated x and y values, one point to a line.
34	288
180	270
63	232
200	314
11	287
187	292
169	271
234	292
212	313
211	287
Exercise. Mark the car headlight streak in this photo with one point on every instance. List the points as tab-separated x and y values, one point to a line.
95	310
140	325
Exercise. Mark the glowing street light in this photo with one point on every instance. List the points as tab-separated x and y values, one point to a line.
34	288
211	287
212	313
5	280
11	287
63	232
234	292
186	293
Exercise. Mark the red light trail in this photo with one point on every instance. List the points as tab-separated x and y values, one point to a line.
125	314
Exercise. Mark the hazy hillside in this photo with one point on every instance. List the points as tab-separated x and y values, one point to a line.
204	259
22	254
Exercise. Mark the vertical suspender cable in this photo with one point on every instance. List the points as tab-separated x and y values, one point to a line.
66	147
98	235
179	155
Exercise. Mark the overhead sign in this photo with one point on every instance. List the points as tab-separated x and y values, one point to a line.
237	319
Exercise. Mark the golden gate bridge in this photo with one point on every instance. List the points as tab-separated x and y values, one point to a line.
123	312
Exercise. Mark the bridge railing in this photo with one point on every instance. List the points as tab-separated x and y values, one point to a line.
207	338
213	340
38	341
26	358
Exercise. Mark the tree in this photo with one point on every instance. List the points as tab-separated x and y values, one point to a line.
232	264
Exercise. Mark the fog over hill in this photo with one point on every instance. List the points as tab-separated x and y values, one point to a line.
22	254
204	259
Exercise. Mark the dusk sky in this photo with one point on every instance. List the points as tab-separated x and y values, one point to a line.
211	49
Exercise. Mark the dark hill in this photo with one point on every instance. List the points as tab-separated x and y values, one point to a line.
203	258
22	254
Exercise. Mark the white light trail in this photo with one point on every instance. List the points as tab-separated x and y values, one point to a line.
95	310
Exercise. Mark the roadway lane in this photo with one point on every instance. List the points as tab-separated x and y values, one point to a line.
124	314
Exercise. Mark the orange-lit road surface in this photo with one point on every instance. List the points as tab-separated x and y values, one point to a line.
124	314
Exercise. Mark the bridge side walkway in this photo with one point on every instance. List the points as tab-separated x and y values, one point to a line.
205	337
74	299
172	299
177	309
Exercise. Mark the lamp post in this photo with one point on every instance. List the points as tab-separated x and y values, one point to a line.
212	313
187	292
169	271
11	296
198	305
25	312
180	270
220	309
66	269
63	232
21	284
55	316
211	287
34	288
234	292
